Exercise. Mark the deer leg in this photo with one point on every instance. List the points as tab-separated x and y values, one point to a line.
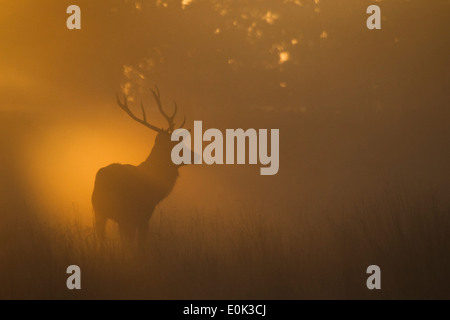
142	234
100	225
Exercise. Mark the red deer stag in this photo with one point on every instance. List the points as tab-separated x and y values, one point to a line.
128	194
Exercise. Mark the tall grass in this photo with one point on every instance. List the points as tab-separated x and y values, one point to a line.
252	253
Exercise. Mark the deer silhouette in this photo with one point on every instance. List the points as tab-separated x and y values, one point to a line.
128	194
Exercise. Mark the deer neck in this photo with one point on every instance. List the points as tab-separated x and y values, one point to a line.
160	168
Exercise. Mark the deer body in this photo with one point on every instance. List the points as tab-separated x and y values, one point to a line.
129	194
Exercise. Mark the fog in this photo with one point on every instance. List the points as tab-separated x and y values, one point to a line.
358	111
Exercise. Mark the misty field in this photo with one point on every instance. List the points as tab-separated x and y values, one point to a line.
253	253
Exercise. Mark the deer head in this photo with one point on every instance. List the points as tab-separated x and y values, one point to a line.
163	144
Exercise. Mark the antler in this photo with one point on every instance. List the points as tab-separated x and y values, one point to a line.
170	119
157	96
124	107
184	121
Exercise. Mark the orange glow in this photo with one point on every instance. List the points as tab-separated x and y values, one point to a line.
64	162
